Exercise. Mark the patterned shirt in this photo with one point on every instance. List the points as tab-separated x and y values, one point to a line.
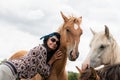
32	63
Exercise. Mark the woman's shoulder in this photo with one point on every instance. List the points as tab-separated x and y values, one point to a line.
40	47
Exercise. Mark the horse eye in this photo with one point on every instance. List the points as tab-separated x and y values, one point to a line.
68	30
102	47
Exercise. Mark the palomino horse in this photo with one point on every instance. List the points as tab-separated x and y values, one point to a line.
70	33
109	72
104	50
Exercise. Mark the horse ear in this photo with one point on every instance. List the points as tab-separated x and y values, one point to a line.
80	18
64	17
93	32
80	71
106	31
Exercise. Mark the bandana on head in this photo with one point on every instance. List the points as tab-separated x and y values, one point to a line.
50	35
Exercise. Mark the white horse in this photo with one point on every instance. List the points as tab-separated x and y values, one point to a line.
104	49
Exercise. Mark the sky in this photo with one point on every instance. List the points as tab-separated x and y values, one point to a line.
23	22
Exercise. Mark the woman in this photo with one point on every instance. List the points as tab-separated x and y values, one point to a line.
38	60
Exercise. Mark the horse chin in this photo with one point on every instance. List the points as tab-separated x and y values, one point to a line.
94	64
73	57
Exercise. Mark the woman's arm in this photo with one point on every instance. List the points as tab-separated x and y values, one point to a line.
56	56
43	67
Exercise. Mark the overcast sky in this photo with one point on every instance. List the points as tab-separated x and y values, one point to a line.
23	22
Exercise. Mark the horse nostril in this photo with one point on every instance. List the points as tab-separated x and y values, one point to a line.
77	55
70	53
73	57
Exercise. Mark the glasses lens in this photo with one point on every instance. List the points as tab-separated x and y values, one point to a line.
53	40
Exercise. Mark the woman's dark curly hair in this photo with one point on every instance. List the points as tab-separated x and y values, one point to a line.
45	39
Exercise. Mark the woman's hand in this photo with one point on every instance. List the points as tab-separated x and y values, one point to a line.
56	56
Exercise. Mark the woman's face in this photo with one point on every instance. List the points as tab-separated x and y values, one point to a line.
52	42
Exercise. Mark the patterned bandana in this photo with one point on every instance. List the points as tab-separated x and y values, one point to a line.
50	35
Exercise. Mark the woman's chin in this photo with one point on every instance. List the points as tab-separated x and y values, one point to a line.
52	48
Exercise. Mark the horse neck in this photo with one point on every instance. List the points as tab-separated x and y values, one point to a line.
115	58
63	46
117	54
59	65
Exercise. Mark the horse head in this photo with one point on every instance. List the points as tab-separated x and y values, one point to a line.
102	48
88	74
71	33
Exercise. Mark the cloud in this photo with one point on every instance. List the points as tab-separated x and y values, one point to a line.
22	22
13	40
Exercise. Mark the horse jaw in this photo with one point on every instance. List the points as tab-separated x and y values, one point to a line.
95	60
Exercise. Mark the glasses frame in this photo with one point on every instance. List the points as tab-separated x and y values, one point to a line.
54	40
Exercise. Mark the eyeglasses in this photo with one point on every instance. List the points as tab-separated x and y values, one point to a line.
54	40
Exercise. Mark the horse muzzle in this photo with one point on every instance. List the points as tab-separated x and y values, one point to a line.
73	56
